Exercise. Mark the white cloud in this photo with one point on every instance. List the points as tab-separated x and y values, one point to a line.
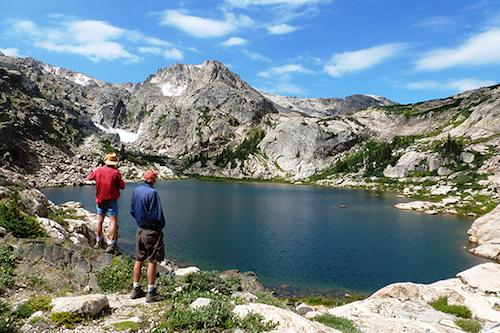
279	78
287	88
436	23
355	61
174	54
284	70
235	41
481	49
248	3
202	27
456	85
93	39
280	29
150	50
11	52
255	56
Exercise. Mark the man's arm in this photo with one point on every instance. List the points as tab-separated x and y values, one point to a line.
91	175
132	210
121	184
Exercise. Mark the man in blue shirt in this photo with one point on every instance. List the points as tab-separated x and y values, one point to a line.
147	211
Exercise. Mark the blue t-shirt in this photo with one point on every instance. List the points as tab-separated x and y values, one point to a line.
146	207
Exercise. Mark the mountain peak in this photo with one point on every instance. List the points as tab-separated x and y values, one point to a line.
176	79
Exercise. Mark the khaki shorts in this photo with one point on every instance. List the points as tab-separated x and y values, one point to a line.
149	245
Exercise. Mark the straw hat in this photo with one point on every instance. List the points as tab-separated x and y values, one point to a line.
111	159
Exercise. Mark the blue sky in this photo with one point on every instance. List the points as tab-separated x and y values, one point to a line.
407	51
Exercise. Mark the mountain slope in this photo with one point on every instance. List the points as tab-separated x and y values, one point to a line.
203	119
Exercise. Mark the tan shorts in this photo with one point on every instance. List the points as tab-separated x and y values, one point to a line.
149	245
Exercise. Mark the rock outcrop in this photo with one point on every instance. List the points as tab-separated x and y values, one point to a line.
287	321
90	305
485	232
201	119
404	307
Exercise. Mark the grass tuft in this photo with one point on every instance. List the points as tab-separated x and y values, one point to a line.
66	319
441	304
117	276
130	326
339	323
469	325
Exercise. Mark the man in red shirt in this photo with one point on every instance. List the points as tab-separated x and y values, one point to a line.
108	182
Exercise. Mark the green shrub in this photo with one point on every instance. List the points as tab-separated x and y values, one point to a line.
243	150
266	297
23	311
215	315
7	321
165	284
330	301
232	281
469	325
253	322
206	281
39	303
375	156
66	319
441	304
129	326
7	265
18	223
8	325
117	276
60	216
339	323
450	147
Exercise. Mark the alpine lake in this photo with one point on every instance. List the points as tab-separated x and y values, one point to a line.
298	239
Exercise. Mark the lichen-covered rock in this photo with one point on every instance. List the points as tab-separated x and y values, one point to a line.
287	321
34	202
86	305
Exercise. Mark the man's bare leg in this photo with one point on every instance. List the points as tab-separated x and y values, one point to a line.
137	271
112	235
98	230
113	228
137	291
151	273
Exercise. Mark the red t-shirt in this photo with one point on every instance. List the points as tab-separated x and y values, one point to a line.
108	182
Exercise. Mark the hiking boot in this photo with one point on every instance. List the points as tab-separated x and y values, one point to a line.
137	293
112	249
99	244
153	296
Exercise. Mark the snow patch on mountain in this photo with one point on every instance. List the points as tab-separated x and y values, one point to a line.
78	78
125	136
169	89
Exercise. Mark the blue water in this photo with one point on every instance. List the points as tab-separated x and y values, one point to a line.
296	238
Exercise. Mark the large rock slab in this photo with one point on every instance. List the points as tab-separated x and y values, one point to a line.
287	321
485	231
485	277
404	307
410	161
88	304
